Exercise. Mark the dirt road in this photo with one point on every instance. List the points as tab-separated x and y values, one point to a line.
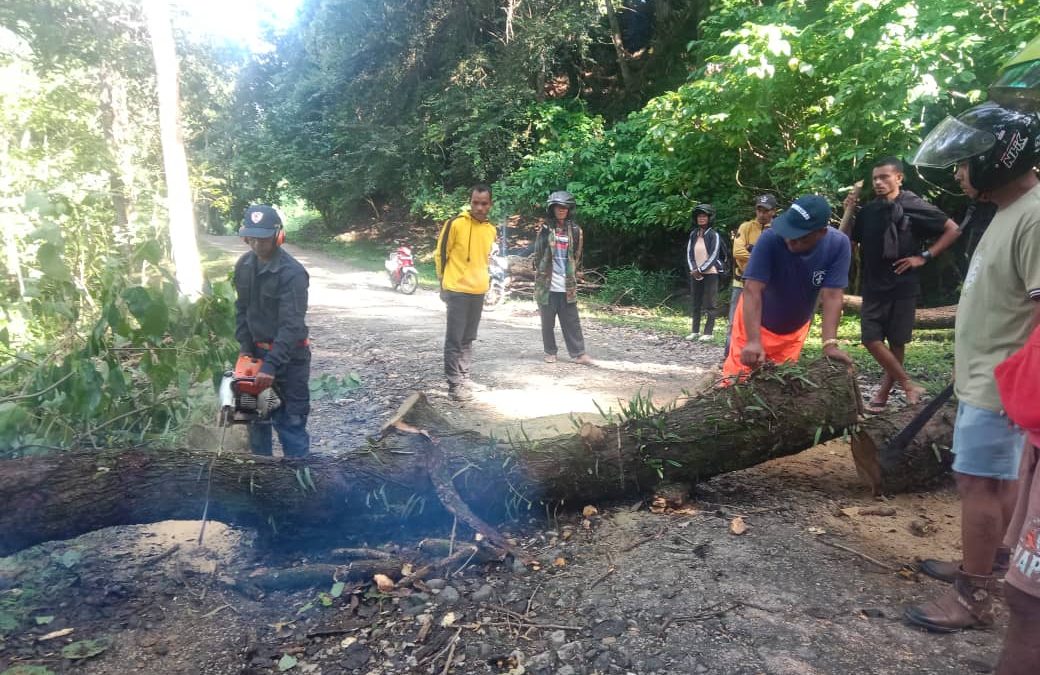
394	343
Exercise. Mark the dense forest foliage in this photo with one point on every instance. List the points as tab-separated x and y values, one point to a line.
640	107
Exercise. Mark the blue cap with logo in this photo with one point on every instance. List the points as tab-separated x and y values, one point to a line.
807	214
261	221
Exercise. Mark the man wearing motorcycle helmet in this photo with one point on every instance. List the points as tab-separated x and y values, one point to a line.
270	313
557	255
705	258
994	150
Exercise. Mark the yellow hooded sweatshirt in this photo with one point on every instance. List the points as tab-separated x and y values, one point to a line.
462	257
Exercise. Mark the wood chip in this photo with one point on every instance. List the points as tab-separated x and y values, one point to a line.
737	525
56	634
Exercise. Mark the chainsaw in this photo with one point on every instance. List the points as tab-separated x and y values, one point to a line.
242	401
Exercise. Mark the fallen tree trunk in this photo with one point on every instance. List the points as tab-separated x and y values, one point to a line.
924	317
389	482
925	459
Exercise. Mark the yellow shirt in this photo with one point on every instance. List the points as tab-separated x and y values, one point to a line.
462	260
747	235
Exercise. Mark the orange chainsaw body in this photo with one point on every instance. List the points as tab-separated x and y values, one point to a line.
246	370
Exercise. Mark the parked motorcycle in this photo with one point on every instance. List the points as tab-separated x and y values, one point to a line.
498	289
401	267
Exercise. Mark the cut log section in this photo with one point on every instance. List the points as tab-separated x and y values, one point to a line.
924	317
925	459
386	485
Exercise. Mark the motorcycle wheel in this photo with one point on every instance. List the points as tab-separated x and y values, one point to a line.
496	293
409	282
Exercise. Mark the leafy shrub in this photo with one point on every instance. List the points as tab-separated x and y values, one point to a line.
630	285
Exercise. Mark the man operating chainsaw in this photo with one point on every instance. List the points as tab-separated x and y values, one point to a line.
269	314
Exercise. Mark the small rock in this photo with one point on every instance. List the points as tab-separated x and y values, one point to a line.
602	661
609	628
558	638
921	528
436	584
569	651
565	670
482	593
539	661
448	596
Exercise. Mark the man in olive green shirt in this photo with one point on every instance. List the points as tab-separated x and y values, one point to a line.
994	150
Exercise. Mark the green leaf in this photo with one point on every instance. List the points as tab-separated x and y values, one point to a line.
48	257
43	620
84	649
287	662
149	309
150	251
337	589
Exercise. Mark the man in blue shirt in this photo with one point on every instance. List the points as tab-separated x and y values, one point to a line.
796	260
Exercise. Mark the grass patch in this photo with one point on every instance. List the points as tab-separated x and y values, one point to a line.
217	264
929	356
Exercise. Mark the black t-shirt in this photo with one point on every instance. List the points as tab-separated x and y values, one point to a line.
923	221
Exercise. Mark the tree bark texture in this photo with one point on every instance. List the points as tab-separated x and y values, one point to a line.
925	317
397	478
925	459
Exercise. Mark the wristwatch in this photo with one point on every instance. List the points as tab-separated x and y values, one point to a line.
926	254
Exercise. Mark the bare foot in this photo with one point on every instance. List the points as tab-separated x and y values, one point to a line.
914	392
876	406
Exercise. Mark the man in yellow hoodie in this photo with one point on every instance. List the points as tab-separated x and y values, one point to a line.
462	254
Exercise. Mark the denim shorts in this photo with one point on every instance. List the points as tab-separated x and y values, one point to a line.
985	445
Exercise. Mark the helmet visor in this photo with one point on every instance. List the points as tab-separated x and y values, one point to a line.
1019	87
950	142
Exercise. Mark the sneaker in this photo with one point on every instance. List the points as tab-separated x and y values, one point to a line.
584	360
707	337
692	336
549	358
460	393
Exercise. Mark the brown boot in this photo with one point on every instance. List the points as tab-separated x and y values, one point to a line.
946	570
969	604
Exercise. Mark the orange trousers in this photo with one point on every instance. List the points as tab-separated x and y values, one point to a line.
779	348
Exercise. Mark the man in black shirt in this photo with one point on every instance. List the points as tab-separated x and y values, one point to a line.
270	312
891	231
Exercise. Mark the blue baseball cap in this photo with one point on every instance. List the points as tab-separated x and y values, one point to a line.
807	214
260	222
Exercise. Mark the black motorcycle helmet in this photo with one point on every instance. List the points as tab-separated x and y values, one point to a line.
999	144
706	209
560	198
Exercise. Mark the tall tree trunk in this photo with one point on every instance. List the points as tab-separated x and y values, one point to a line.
412	467
180	209
619	47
